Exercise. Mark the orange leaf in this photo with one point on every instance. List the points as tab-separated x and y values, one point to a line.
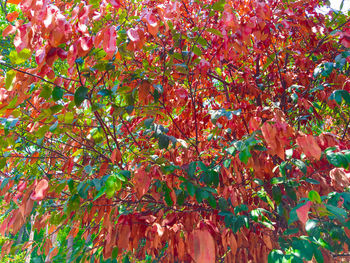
267	241
12	16
303	211
114	3
34	158
271	137
202	247
40	190
10	29
133	35
116	156
144	90
124	233
233	243
15	2
103	169
152	24
309	146
142	182
110	40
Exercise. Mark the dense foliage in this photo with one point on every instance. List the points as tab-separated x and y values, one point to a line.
175	131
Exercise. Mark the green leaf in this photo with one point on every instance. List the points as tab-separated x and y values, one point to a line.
180	198
219	5
211	201
223	205
24	54
55	108
269	60
148	122
82	189
73	203
315	197
339	213
245	155
100	193
276	194
317	254
328	68
277	180
125	173
214	31
197	51
275	256
300	164
192	168
202	166
312	181
305	248
291	231
311	227
53	126
163	141
167	196
2	163
69	117
190	188
10	76
115	250
337	159
338	95
199	195
293	216
13	56
46	92
105	92
21	57
291	192
57	93
80	95
4	182
120	177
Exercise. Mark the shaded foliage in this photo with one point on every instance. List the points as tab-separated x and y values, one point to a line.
175	131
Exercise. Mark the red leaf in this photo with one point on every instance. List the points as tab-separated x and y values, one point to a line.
15	2
144	91
114	3
309	146
142	182
21	38
345	38
202	246
228	17
103	169
34	158
303	211
124	233
116	156
12	16
40	190
10	29
84	45
56	37
62	54
152	24
133	35
40	56
110	40
270	134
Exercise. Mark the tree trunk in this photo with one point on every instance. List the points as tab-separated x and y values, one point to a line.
31	239
70	241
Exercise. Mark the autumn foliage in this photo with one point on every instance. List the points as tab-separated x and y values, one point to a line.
181	131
